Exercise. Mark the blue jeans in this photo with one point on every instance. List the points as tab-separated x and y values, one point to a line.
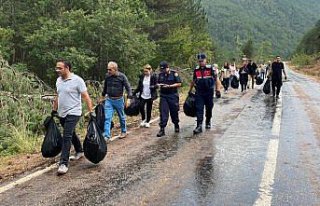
109	106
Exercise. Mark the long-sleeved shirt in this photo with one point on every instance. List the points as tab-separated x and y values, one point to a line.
114	85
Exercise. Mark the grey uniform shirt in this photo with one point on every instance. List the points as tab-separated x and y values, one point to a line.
69	95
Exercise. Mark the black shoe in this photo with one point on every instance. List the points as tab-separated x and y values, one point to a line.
208	126
176	128
197	130
161	133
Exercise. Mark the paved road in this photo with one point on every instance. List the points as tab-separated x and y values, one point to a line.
259	152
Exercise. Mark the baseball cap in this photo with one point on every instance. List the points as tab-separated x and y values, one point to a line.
201	56
163	65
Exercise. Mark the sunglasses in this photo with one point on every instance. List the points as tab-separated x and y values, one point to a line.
59	68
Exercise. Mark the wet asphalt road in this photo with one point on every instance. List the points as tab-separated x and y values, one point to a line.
222	166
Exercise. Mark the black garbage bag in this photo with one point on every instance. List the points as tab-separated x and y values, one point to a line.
94	145
52	143
235	83
267	87
259	80
99	110
134	108
218	94
189	106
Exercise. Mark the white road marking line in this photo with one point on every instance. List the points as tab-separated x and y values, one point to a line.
268	175
26	178
47	169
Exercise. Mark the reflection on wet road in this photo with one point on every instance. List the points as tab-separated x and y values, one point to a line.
227	165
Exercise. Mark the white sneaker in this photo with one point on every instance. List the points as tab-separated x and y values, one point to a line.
77	156
147	125
63	169
143	123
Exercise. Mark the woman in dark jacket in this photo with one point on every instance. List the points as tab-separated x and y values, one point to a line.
244	76
147	89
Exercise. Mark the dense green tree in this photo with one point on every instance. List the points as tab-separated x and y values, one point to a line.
249	49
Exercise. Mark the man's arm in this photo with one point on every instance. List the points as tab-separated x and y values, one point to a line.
86	98
127	87
55	103
191	86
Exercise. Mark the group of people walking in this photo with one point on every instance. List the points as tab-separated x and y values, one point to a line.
71	90
249	72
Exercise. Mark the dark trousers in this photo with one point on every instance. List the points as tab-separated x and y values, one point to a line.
201	102
169	103
226	83
244	86
252	80
276	87
69	136
143	103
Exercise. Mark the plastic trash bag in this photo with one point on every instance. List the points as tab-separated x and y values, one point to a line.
134	108
267	87
218	94
100	115
189	106
52	143
235	83
259	80
94	145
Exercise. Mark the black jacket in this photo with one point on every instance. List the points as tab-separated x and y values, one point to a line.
153	86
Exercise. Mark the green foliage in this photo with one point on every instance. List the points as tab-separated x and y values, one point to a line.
280	22
301	60
6	36
22	111
310	43
180	31
248	49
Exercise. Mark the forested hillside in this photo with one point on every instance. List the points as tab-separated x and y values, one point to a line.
275	26
89	33
310	43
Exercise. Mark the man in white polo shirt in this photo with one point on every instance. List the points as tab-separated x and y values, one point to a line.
67	105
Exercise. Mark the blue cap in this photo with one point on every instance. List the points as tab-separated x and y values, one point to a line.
201	56
164	65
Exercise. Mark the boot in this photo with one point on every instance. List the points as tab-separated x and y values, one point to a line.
208	124
197	130
161	133
176	128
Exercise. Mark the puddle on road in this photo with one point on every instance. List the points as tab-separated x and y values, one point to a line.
204	176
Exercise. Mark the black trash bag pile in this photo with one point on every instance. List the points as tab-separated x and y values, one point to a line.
235	83
267	87
189	106
94	145
134	108
259	80
52	143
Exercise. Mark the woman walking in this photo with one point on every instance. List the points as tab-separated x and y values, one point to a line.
226	73
147	89
244	76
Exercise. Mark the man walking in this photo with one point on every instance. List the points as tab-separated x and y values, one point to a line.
67	105
114	85
204	80
252	68
277	68
169	82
